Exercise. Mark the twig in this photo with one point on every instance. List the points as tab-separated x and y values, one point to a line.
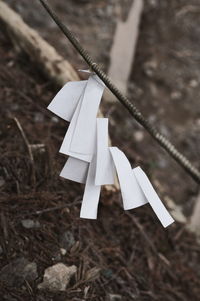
28	146
38	212
149	241
4	226
140	228
163	141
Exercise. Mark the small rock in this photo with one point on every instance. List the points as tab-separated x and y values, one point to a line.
67	240
139	136
29	224
57	277
63	252
17	271
193	83
54	119
1	250
150	68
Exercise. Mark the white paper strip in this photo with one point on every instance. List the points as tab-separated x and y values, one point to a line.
132	194
66	100
65	147
152	197
79	141
85	132
75	170
91	195
105	171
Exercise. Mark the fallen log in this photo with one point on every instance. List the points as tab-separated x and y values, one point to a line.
41	52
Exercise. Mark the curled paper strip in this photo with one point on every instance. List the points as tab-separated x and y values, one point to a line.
105	173
65	102
132	194
152	197
79	141
75	170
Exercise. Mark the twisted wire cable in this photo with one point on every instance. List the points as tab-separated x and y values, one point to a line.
162	140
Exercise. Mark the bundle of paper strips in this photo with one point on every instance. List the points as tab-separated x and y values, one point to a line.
91	161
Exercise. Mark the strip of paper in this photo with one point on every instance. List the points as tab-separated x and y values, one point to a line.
75	170
84	136
65	147
152	197
66	100
105	172
91	195
87	134
132	194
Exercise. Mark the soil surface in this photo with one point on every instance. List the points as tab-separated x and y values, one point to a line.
122	256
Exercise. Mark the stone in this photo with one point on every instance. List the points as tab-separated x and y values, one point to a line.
67	240
149	68
57	277
14	273
29	224
193	83
63	252
139	135
1	250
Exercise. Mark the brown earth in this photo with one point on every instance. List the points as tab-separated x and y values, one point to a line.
138	260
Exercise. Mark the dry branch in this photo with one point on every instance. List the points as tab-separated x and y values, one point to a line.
28	40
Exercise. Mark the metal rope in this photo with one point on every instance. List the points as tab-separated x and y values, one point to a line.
163	141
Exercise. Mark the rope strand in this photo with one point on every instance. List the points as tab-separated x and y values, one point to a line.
163	141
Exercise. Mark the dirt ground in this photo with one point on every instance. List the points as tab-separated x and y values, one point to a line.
122	256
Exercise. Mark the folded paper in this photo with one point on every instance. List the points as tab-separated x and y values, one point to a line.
66	100
132	194
80	139
91	195
75	170
101	169
105	172
152	197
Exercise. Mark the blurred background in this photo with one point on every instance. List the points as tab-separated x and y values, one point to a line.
120	256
